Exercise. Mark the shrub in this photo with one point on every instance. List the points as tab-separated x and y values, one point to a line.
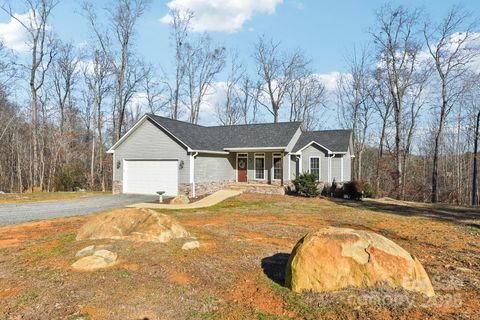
353	189
306	185
68	178
368	190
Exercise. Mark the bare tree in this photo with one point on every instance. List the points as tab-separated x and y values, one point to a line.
42	50
452	52
204	61
397	50
229	112
353	97
97	78
248	94
64	73
155	91
123	17
275	69
179	34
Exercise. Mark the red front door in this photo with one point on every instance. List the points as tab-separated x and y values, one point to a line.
242	169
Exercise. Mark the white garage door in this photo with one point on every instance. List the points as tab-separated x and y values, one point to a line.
150	176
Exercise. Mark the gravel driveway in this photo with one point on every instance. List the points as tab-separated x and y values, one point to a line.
20	212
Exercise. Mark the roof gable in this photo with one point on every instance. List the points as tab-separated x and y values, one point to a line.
334	141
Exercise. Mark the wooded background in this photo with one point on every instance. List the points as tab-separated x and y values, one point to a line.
411	96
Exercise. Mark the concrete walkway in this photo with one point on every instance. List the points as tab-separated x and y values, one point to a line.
208	201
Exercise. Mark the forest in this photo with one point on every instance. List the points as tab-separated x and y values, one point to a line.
411	95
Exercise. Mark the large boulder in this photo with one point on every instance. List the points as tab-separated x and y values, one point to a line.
336	258
132	224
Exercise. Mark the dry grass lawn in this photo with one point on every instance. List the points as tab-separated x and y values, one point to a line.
46	196
238	271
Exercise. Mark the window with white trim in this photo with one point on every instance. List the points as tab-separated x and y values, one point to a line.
315	166
259	166
277	166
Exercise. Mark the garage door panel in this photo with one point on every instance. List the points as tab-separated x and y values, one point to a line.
150	176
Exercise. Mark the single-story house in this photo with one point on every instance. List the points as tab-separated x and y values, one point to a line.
161	154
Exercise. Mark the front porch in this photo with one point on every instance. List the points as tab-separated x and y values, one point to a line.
261	167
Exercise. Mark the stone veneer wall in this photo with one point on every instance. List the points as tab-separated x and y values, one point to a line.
202	188
117	187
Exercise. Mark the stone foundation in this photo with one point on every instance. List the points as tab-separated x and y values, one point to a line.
117	187
202	188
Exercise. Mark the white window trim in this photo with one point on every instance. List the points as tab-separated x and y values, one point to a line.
259	156
278	156
319	166
240	155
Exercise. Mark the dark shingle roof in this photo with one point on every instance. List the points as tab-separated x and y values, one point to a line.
235	136
334	140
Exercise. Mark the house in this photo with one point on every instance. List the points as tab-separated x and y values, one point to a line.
161	154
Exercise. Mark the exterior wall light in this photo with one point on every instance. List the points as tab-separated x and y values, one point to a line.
180	165
119	164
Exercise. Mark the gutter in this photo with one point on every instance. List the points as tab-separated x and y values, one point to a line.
192	172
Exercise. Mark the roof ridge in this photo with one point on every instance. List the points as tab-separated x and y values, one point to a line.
220	126
181	121
253	124
327	130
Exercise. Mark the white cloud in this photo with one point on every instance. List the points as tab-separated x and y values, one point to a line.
329	80
13	34
221	15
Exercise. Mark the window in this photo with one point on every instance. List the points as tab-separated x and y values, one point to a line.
259	166
277	167
315	166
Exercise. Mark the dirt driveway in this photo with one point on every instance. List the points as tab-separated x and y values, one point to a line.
21	212
238	271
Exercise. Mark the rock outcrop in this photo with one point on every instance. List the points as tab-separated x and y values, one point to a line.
336	258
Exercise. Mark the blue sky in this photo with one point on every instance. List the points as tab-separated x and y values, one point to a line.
325	30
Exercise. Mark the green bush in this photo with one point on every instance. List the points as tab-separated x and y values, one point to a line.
306	185
68	178
368	191
353	190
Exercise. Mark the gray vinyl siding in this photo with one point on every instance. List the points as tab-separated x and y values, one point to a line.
316	151
149	142
337	167
294	167
347	166
294	140
212	167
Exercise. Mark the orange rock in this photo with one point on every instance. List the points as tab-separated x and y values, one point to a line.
336	258
132	224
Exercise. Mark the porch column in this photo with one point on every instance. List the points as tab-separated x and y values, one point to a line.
281	166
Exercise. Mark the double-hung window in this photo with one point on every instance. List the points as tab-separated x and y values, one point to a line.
277	167
259	166
315	166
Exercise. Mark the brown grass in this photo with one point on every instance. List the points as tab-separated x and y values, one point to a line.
237	272
46	196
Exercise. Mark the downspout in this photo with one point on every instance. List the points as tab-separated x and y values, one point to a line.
192	173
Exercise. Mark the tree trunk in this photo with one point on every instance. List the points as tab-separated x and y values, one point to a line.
475	166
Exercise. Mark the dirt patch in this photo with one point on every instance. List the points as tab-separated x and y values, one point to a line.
14	235
249	293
